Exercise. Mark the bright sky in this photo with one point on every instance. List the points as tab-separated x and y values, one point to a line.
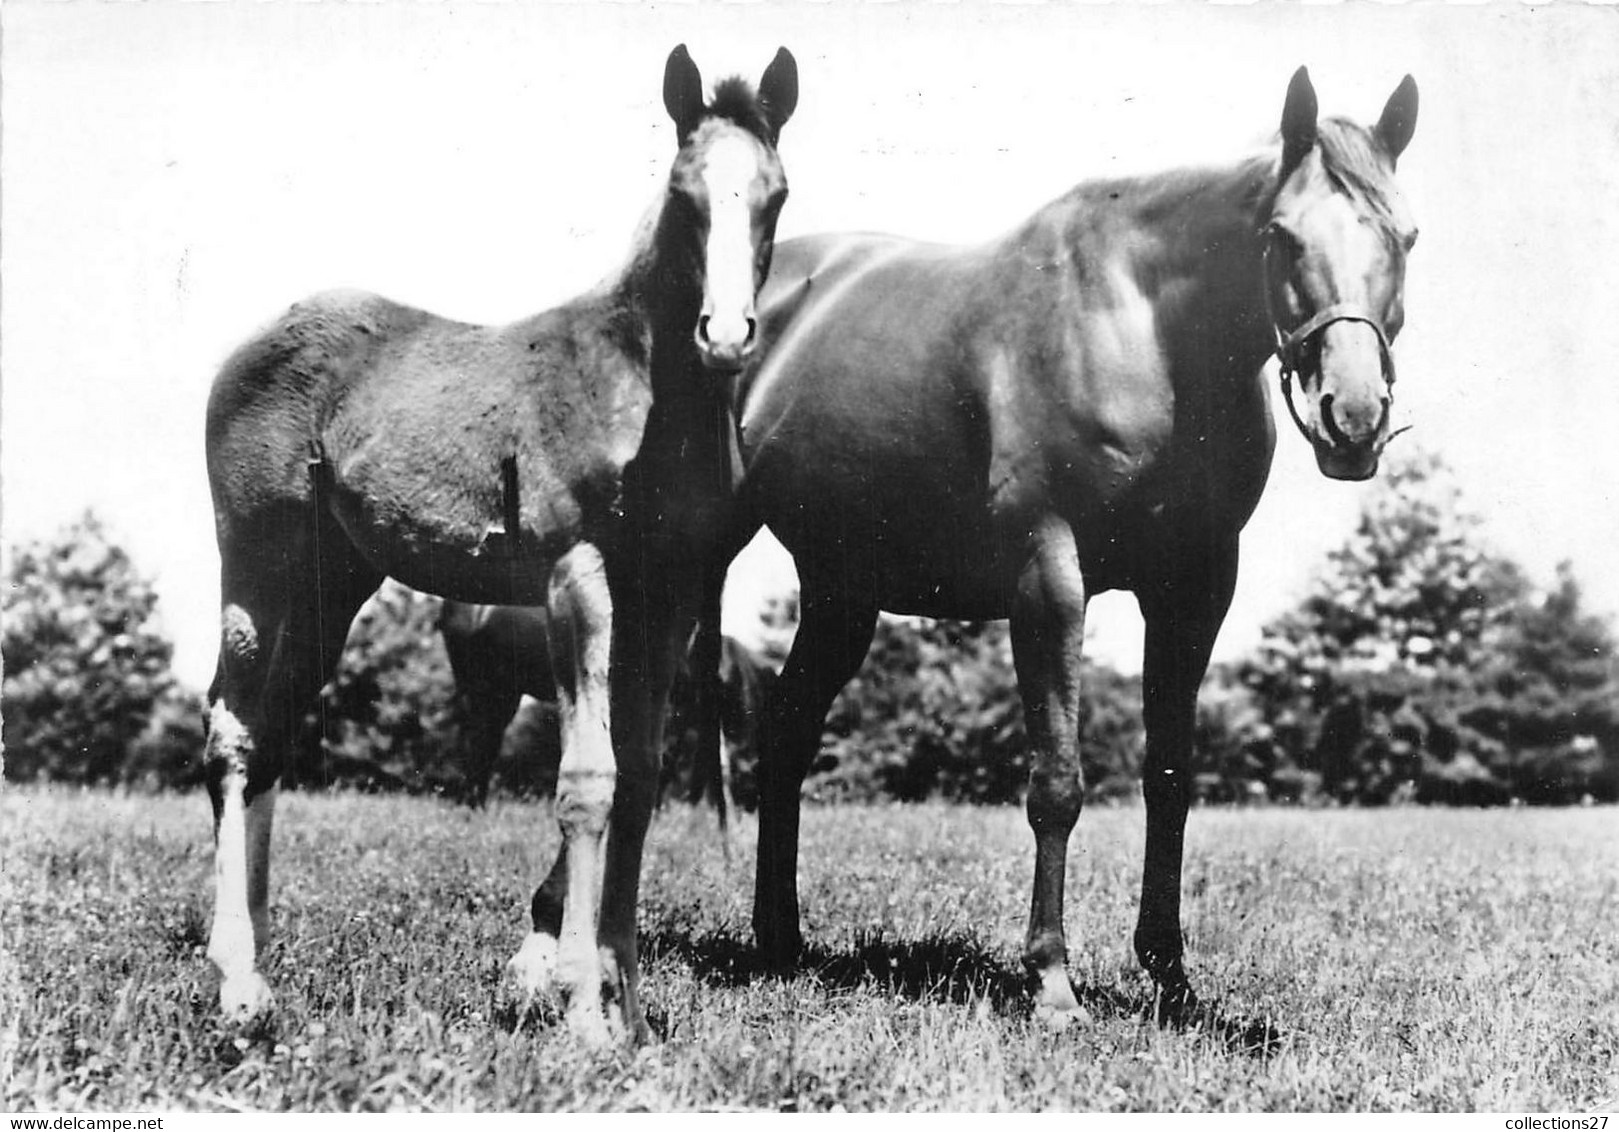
175	174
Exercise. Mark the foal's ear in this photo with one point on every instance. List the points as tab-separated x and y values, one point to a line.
1399	120
778	90
682	91
1298	119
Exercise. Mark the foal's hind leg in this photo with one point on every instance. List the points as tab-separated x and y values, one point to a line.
1048	630
834	634
283	624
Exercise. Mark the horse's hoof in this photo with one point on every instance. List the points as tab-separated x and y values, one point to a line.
532	973
778	951
245	998
1178	1005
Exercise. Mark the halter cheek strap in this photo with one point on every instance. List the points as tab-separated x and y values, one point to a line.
1289	346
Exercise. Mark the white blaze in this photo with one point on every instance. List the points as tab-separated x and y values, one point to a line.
731	165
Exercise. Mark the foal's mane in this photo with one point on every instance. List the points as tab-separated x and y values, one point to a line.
736	102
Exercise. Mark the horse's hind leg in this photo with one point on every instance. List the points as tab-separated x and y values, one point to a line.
834	634
1048	630
1183	615
282	630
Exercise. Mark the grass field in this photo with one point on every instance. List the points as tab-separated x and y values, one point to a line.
1403	959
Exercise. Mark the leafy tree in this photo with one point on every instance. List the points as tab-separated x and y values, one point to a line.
385	720
1419	667
1548	702
86	661
935	712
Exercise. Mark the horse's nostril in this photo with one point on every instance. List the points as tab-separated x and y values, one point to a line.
1328	422
702	329
753	332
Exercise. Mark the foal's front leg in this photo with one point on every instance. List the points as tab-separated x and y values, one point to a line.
648	642
1183	616
1048	630
562	946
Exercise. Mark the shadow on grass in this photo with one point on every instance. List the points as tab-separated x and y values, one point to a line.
948	969
1239	1033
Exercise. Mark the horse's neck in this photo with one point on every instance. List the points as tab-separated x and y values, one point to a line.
1191	243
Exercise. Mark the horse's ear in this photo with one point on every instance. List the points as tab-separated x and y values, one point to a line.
1298	119
1399	120
778	90
682	91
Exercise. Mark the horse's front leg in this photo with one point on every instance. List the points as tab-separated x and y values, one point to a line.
1183	615
834	635
1048	630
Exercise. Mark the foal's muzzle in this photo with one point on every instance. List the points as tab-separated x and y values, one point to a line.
726	347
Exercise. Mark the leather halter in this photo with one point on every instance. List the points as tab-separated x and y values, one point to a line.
1290	344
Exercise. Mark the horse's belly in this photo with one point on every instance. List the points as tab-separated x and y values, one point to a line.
915	556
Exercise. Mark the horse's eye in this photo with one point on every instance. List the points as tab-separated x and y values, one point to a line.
1280	239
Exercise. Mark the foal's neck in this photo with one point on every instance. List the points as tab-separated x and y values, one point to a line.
661	291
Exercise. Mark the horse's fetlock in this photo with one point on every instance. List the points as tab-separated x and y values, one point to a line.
1160	954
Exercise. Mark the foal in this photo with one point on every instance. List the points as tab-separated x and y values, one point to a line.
581	459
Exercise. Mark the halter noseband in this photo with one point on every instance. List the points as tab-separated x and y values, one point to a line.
1290	344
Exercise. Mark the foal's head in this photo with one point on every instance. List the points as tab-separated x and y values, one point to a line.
728	185
1336	236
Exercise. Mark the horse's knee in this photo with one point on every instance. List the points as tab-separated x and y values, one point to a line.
1056	796
1167	790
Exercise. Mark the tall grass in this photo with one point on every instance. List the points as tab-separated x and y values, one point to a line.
1398	959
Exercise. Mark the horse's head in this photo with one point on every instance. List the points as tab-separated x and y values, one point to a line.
728	184
1336	235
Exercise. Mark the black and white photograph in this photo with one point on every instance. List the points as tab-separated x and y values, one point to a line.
809	556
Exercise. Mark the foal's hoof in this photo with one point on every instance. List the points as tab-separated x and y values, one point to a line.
531	974
245	998
1056	1007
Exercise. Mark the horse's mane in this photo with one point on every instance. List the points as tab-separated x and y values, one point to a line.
1359	168
735	101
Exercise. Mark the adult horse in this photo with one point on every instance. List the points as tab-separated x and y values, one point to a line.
581	459
500	653
1006	430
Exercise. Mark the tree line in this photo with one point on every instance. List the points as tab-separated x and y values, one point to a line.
1420	666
